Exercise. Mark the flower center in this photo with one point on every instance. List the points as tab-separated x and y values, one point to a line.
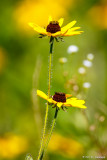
53	27
59	97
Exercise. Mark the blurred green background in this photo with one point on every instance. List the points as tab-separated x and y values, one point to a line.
24	62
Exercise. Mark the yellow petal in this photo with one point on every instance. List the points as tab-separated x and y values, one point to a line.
68	26
50	100
72	33
49	34
68	95
74	102
56	34
73	29
49	19
61	21
42	94
59	104
38	28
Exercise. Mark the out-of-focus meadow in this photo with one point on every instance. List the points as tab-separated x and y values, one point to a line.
24	68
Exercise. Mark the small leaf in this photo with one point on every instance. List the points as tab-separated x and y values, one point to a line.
57	40
42	35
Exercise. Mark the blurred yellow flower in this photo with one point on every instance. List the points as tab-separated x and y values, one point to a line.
98	14
34	11
54	28
60	100
65	146
12	145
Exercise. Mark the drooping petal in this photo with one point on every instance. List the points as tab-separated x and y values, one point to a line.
49	34
74	102
68	26
59	104
38	28
49	19
50	100
61	21
56	34
42	95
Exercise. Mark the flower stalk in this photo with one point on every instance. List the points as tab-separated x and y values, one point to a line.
47	107
51	44
50	134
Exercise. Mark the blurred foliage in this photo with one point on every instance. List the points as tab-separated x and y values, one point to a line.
24	68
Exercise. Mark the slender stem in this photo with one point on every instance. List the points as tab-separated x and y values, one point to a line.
49	82
50	134
51	44
47	107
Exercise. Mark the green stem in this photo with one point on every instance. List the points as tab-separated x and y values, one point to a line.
47	107
51	44
50	134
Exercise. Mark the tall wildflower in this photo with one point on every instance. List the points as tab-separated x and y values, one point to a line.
55	31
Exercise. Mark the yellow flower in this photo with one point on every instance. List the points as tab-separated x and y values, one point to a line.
12	145
61	100
28	11
99	19
65	146
54	29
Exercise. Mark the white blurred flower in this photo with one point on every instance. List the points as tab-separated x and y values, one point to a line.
63	60
86	84
75	88
72	49
90	56
87	63
82	70
101	118
92	128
